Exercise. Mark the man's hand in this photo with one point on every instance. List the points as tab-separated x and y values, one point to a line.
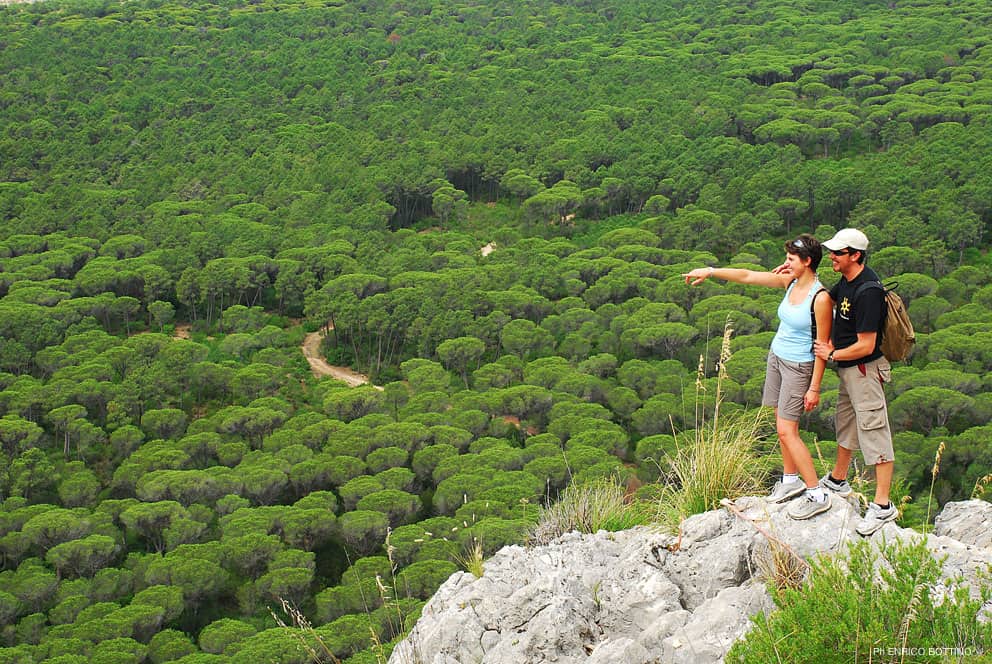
822	349
782	269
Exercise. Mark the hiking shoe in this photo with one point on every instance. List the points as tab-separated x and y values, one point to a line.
875	518
808	508
782	492
841	488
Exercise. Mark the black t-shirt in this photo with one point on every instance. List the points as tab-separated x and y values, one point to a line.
864	313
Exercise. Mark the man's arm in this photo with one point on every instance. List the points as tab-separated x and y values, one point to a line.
863	347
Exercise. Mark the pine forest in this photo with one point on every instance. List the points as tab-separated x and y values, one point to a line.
473	216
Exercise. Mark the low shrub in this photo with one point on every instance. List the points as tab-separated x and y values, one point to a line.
888	604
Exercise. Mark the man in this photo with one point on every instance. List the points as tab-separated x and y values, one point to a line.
862	420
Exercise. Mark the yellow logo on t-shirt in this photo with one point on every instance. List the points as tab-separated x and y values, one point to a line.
845	306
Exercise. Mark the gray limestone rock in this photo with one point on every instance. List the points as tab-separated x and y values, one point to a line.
969	522
716	624
642	597
713	556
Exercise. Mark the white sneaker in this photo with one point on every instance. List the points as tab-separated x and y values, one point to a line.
875	518
808	507
841	488
782	492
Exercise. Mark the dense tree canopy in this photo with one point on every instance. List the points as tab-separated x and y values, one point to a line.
486	207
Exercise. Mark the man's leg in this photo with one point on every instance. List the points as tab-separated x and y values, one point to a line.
883	482
846	426
843	464
877	516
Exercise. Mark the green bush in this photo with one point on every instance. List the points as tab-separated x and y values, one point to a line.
401	479
363	531
386	457
359	597
123	646
885	605
218	635
399	507
422	579
169	645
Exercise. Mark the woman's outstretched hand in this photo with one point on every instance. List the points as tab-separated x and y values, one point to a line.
697	276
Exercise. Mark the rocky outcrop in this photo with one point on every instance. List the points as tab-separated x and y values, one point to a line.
969	522
642	596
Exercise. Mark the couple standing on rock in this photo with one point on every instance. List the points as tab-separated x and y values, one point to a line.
817	327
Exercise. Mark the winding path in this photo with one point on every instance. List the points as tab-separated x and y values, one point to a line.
320	368
311	345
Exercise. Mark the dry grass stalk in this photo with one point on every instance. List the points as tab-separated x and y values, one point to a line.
377	649
914	603
783	566
721	372
933	479
302	629
387	600
980	485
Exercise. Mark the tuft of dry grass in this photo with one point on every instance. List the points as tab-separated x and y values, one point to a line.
588	508
781	566
472	559
718	461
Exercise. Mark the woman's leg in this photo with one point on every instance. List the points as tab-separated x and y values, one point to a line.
788	463
795	455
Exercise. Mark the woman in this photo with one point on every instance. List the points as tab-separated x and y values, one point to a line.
794	374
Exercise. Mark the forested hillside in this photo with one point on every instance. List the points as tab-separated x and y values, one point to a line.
487	207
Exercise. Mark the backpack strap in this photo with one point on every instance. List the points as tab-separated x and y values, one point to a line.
885	305
812	314
871	284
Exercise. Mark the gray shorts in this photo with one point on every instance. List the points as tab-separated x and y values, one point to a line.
785	386
862	419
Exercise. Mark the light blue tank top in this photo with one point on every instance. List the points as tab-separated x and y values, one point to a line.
794	339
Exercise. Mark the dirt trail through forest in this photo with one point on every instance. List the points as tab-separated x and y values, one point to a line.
320	368
311	351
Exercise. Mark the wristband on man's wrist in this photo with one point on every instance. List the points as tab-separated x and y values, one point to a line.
830	357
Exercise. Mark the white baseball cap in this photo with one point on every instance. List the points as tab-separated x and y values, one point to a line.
847	237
